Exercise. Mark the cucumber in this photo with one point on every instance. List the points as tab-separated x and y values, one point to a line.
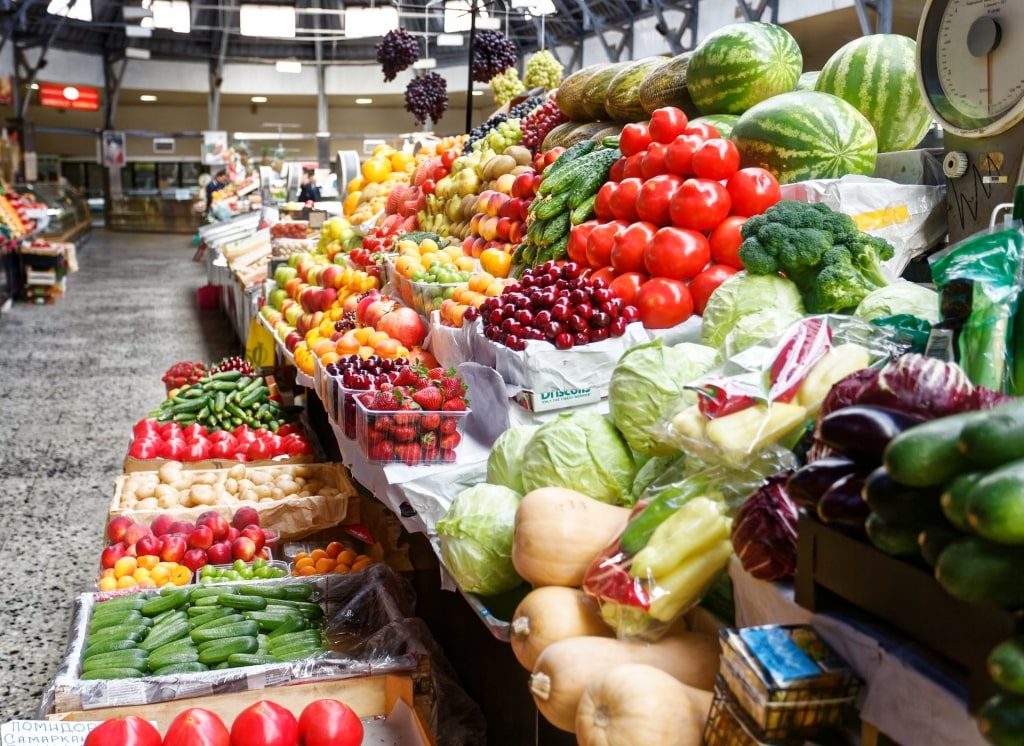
165	601
245	603
169	659
183	643
1001	720
297	591
212	590
300	653
997	439
269	621
928	454
294	624
308	609
112	673
284	641
235	629
935	538
251	659
995	505
124	603
954	499
169	618
132	658
220	621
121	632
207	602
112	620
109	647
979	571
176	668
219	650
160	637
264	591
890	537
1006	665
913	506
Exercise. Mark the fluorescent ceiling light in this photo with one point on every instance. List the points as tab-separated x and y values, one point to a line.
449	40
424	63
278	136
147	97
323	134
276	21
172	14
259	99
362	101
478	93
132	13
489	22
535	7
136	53
288	66
361	23
80	11
138	32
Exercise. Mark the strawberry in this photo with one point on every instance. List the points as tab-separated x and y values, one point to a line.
385	386
403	433
448	456
407	376
423	383
433	453
383	451
428	398
452	388
380	423
435	373
428	441
449	425
410	453
405	420
375	436
430	422
454	405
384	401
450	441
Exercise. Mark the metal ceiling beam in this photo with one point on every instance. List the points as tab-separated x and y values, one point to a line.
756	12
113	76
687	25
217	69
614	51
33	71
883	16
15	22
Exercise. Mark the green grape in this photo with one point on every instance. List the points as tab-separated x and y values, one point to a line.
506	86
543	71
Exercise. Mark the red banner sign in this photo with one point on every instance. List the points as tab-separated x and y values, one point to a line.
78	97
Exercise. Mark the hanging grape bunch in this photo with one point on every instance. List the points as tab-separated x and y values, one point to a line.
396	51
426	97
543	71
506	86
493	53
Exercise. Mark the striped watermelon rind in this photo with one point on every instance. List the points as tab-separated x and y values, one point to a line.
741	65
807	81
806	135
878	75
724	123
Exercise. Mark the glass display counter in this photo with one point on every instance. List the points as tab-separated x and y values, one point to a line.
66	209
160	211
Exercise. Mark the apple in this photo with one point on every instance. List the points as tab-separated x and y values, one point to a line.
161	524
118	526
291	341
201	538
293	314
505	182
299	256
245	516
243	548
172	548
255	533
264	554
219	553
112	554
194	559
135	532
216	523
181	528
233	533
331	275
147	545
282	274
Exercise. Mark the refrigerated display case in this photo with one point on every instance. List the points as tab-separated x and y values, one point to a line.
67	211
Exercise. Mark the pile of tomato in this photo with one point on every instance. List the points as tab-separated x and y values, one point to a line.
667	226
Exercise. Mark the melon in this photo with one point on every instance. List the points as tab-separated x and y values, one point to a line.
878	75
807	80
622	99
596	89
806	135
721	122
741	65
666	86
569	95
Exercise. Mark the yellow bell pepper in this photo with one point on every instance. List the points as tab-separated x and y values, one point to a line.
837	364
751	429
685	586
689	532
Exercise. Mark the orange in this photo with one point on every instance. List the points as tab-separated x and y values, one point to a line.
361	564
306	561
346	557
307	570
497	262
334	549
300	556
149	561
401	161
181	575
375	169
317	554
340	569
125	567
325	565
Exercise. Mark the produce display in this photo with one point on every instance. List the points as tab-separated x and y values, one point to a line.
332	558
223	401
258	569
192	443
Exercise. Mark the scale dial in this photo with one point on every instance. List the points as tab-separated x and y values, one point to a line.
971	64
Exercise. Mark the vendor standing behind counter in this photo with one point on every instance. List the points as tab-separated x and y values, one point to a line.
308	190
218	182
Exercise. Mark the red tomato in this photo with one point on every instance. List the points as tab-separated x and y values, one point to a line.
173	449
265	723
577	248
679	156
222	449
663	302
623	201
653	163
258	449
634	138
146	427
707	282
130	730
634	166
630	245
602	205
677	253
448	157
197	450
667	123
700	204
753	190
600	241
725	241
652	204
716	159
627	285
197	727
705	130
608	274
145	448
329	722
615	172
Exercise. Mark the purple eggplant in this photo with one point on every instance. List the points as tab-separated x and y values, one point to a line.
810	482
842	504
862	432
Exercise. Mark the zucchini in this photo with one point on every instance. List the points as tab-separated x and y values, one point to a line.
928	454
245	603
132	658
112	673
159	637
108	647
1006	665
954	499
176	668
978	571
996	439
917	506
892	538
235	629
217	651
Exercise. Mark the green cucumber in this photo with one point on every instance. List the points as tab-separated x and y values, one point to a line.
954	499
295	624
264	591
269	621
112	673
176	668
220	621
167	659
245	603
112	620
133	632
309	609
127	602
928	454
995	505
212	590
996	439
219	650
109	647
548	207
163	602
206	602
286	640
251	659
1006	665
132	658
235	629
298	591
159	637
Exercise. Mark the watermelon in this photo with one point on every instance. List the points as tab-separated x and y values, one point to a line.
721	122
742	64
807	80
806	135
878	75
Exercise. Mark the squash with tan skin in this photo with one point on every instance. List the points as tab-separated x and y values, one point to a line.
559	531
549	614
639	705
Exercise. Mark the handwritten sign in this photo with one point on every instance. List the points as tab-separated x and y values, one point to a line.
30	732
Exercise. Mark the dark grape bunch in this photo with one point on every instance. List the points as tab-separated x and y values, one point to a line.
480	131
538	123
396	51
523	108
493	53
426	97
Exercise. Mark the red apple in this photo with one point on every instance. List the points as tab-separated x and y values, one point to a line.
147	545
181	528
117	527
194	559
172	548
135	532
245	516
161	524
201	538
112	554
219	553
216	523
243	548
255	533
233	533
264	553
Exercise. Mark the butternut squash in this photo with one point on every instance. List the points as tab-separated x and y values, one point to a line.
549	614
638	705
558	532
566	667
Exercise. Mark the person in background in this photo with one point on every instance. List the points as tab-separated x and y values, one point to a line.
308	190
218	182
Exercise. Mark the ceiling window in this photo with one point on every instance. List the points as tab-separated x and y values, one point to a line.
361	23
457	17
174	15
80	10
275	21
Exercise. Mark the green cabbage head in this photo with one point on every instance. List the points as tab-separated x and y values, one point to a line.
504	465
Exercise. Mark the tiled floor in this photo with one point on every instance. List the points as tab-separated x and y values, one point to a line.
74	377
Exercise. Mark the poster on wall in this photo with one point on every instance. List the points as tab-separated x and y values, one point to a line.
6	90
113	149
215	147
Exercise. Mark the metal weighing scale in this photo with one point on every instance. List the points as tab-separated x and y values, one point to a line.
970	66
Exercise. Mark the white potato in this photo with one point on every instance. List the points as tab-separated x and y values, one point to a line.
248	495
237	471
167	499
150	503
259	477
170	471
278	494
314	486
230	485
202	494
264	490
144	490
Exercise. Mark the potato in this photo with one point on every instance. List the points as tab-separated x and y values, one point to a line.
278	494
237	471
264	490
259	477
328	492
150	503
303	470
286	487
304	493
266	499
248	495
131	484
170	472
208	477
314	486
146	489
202	494
230	485
301	481
167	498
245	484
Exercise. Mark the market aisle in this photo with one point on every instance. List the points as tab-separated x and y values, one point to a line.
74	377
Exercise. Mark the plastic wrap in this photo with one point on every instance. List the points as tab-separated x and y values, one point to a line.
368	629
758	403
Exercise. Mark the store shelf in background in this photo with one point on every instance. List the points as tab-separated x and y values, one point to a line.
835	571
